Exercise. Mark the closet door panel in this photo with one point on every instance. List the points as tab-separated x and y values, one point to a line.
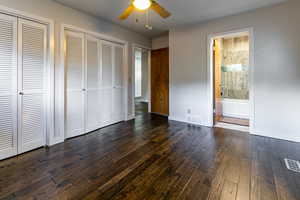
75	76
93	110
32	85
107	82
107	65
93	63
8	86
118	66
118	112
8	123
33	123
34	55
106	107
118	103
93	83
74	61
74	113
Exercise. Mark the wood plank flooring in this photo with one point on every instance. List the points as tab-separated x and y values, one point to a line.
141	108
151	158
237	121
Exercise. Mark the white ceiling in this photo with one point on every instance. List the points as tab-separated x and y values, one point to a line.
183	12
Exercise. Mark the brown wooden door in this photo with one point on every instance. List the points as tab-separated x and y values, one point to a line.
160	81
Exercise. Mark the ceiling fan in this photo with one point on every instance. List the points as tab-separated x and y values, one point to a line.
142	5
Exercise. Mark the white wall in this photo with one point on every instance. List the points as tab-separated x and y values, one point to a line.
61	14
276	69
145	88
138	73
160	42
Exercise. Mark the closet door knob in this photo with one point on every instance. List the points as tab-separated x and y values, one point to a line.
83	90
21	93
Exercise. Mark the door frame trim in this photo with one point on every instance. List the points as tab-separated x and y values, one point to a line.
50	117
134	48
210	71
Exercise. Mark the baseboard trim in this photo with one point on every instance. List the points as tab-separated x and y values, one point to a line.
185	121
232	127
250	130
130	117
263	134
55	141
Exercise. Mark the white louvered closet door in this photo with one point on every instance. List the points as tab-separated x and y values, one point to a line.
118	67
93	78
8	86
32	84
106	82
75	84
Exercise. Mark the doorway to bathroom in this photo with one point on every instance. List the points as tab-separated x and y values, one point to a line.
231	64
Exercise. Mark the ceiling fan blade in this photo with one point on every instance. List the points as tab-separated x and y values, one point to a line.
160	10
127	12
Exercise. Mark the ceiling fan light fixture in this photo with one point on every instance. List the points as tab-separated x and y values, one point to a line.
142	4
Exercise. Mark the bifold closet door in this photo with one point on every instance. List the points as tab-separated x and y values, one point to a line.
118	102
75	91
106	82
93	81
32	81
8	86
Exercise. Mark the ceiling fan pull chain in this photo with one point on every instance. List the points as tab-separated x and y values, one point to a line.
148	26
147	17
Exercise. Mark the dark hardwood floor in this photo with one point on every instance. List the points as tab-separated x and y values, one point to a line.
232	120
151	158
141	108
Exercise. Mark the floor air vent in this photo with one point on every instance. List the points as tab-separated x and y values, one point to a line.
292	165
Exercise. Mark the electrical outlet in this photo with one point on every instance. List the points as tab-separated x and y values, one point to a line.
189	111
